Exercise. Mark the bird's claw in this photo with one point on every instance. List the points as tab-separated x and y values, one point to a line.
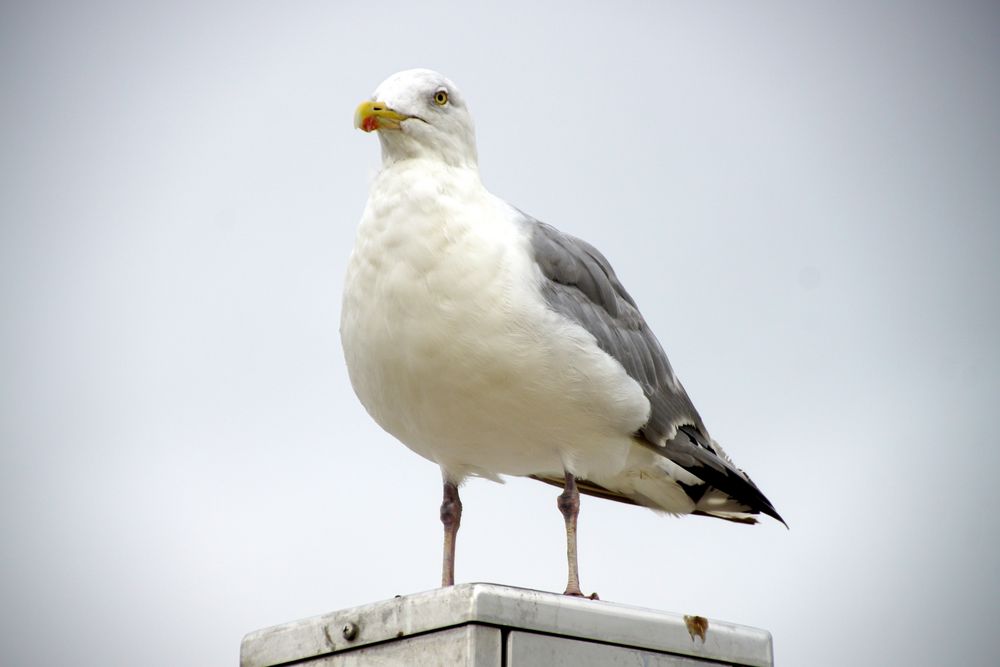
577	593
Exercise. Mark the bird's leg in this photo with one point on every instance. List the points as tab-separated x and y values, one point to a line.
569	505
451	517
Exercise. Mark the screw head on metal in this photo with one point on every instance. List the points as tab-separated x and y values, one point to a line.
350	631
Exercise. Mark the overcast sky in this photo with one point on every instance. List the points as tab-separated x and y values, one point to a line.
804	201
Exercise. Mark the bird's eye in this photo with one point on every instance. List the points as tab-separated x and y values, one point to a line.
441	98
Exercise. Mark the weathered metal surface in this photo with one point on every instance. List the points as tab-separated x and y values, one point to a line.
527	649
464	646
505	608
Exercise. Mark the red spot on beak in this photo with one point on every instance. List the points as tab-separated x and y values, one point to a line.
370	123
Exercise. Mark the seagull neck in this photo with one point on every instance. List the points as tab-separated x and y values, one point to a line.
451	151
390	159
432	168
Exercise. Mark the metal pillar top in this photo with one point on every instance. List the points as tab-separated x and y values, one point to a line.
511	611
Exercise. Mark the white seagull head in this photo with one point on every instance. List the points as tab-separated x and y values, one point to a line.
421	114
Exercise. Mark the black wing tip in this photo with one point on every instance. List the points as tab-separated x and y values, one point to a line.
764	505
697	491
749	494
773	513
730	479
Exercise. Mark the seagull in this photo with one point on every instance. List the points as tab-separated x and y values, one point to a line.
492	344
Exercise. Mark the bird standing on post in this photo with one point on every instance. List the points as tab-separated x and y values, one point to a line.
493	344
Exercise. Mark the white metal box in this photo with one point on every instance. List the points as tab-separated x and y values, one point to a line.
485	625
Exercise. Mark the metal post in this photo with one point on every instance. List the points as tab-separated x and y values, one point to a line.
485	625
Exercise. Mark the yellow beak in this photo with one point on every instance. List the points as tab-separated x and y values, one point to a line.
371	116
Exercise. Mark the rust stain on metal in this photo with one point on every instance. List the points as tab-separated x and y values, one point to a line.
697	626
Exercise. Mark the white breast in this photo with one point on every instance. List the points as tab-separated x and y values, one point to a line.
450	346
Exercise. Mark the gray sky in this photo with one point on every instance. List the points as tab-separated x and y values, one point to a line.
803	201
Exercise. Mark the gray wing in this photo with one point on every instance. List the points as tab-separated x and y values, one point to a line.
579	283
